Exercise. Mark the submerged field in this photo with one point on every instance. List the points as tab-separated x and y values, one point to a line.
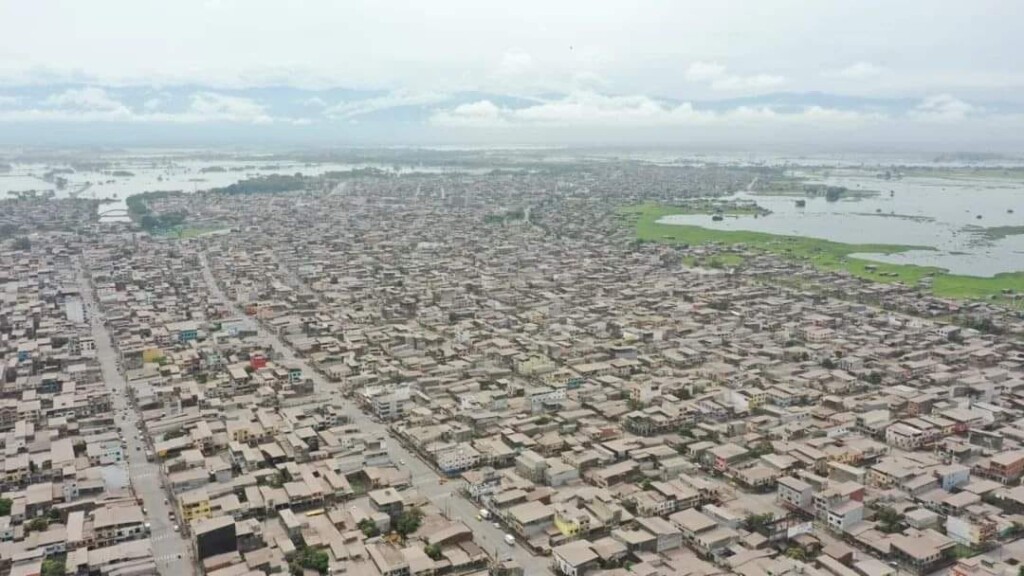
823	254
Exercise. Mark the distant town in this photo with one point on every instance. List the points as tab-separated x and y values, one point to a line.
514	369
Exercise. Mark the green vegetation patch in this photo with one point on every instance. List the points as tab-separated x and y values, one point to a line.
270	184
823	254
516	215
185	232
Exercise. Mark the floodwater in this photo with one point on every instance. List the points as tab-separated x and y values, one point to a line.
936	212
149	175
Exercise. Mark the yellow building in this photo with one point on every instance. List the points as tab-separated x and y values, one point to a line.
571	521
195	505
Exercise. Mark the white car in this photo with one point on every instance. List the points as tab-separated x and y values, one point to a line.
175	527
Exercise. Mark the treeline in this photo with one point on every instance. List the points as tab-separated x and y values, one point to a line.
265	185
356	173
508	216
831	193
139	210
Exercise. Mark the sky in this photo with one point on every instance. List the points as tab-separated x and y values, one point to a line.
935	73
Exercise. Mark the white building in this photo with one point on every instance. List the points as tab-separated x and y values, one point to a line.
458	457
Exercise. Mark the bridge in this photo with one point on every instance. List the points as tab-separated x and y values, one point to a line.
113	212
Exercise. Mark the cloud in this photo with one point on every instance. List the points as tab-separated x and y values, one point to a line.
210	106
589	109
480	114
704	71
314	102
91	104
718	78
943	108
857	71
515	63
586	80
88	98
9	100
397	99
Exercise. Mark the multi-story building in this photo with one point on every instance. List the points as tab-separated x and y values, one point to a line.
195	505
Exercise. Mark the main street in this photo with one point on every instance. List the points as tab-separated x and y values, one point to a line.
425	478
170	549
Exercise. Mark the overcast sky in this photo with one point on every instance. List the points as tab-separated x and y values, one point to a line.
587	63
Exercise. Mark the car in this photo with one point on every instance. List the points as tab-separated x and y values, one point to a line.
165	501
479	517
402	462
510	540
497	524
175	527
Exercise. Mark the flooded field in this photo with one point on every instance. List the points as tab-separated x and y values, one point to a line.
975	226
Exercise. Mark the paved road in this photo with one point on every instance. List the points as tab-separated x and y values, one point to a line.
169	548
426	479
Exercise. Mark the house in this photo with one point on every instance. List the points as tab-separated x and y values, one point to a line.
531	518
922	551
574	558
1004	467
726	455
794	494
668	535
387	501
195	505
842	517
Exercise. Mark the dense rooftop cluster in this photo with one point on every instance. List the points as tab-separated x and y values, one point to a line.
471	373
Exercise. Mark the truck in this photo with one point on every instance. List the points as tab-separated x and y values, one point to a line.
485	513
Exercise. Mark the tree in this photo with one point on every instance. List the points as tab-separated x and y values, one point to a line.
828	364
149	222
55	566
369	528
409	522
37	525
875	378
889	520
1016	529
172	434
5	506
53	514
310	559
796	553
432	550
759	522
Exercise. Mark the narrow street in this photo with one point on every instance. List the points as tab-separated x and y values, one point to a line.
170	549
426	479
